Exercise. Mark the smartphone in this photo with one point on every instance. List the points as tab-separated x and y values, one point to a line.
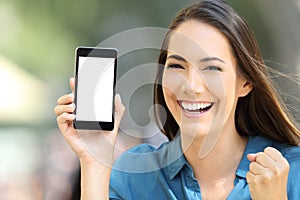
95	80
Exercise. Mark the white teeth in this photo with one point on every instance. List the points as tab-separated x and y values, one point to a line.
195	106
203	105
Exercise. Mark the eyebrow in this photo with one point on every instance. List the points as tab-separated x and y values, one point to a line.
206	59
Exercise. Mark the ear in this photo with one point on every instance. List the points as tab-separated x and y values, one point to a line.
245	89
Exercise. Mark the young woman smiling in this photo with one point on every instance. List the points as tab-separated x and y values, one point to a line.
230	137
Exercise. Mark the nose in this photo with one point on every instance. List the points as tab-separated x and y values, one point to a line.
194	82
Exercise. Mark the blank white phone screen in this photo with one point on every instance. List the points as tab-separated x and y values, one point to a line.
95	89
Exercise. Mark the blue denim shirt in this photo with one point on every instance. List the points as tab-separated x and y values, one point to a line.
145	172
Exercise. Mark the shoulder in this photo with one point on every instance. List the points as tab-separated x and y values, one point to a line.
136	167
145	157
138	158
289	152
259	143
145	148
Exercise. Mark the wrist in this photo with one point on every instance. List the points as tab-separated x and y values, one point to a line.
106	160
93	164
95	178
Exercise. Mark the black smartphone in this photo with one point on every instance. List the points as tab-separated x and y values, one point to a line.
95	79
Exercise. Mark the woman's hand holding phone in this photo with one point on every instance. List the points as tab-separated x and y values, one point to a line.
78	139
92	166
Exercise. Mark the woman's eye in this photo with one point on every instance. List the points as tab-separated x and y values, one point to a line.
213	68
175	66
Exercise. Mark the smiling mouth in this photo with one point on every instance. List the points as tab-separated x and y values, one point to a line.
195	107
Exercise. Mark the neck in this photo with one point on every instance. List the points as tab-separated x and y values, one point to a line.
222	159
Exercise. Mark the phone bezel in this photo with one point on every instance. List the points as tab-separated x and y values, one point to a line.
100	53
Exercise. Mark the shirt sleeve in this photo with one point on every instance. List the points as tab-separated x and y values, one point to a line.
118	185
123	172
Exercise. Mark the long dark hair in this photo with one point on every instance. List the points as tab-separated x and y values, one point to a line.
261	112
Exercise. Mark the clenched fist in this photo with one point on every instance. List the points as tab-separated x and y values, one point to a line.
268	175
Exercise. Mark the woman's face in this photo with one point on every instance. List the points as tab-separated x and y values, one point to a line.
201	83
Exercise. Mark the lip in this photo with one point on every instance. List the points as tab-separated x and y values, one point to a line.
195	109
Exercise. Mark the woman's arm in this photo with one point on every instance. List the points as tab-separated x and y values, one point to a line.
95	167
94	181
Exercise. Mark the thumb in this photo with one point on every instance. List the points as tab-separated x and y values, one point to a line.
119	110
251	157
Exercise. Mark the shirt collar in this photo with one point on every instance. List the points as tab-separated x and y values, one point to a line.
175	154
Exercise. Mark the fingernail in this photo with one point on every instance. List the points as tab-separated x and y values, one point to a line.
251	157
118	98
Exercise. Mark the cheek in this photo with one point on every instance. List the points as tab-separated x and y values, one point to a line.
170	98
230	97
216	86
171	101
171	83
169	87
172	80
223	89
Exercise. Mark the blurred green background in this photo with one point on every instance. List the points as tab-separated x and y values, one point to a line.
37	43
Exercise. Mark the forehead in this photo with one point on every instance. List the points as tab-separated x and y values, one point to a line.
196	40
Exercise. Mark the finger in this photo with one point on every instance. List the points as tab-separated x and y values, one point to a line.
65	117
251	178
64	121
72	84
59	109
251	157
66	99
119	110
257	169
264	160
273	153
281	164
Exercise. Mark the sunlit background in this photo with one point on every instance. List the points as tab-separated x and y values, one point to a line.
37	43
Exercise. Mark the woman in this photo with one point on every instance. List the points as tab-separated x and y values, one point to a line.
229	135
